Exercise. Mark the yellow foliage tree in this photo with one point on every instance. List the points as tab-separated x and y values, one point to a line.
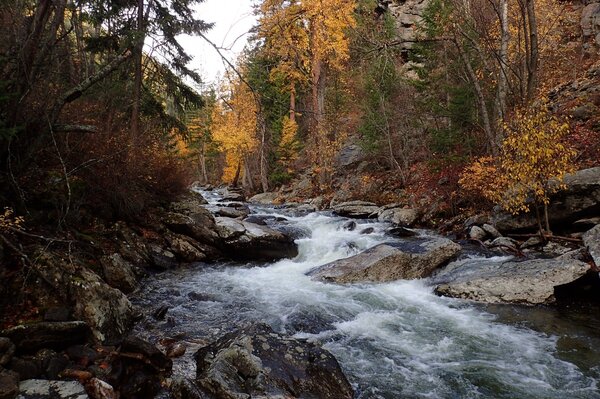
533	162
234	128
307	37
8	220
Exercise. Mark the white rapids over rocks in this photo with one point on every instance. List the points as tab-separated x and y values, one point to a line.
394	340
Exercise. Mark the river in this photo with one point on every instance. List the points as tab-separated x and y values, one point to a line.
394	340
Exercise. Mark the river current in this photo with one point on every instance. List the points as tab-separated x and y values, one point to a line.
394	340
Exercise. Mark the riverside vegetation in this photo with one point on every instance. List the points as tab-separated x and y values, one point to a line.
395	155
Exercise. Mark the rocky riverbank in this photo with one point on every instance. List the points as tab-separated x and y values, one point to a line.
79	343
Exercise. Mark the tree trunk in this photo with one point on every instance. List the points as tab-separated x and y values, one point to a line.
502	70
532	77
137	84
293	104
236	178
203	163
487	127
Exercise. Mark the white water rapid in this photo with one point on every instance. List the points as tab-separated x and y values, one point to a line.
395	340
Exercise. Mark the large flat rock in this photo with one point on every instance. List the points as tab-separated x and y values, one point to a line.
386	262
529	282
256	362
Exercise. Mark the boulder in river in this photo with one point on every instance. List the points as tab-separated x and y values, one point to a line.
248	241
389	262
259	363
509	281
264	198
399	216
356	209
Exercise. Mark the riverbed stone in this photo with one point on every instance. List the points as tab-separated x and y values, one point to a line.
184	248
399	216
356	209
200	225
529	282
264	198
44	389
259	363
389	262
249	241
591	240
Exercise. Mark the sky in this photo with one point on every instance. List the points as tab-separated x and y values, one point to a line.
233	19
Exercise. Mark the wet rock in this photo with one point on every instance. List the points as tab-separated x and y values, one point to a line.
118	273
161	258
185	249
555	249
182	388
232	194
256	362
399	231
236	213
356	209
249	241
101	390
200	297
55	366
29	338
7	350
580	199
527	282
200	226
264	198
349	225
399	216
57	314
387	262
477	233
9	384
260	220
160	312
149	351
229	229
44	389
189	204
591	240
176	349
368	230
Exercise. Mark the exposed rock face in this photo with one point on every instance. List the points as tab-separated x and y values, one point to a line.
590	22
399	216
43	389
249	241
350	155
385	262
356	209
591	240
528	282
256	362
106	310
29	338
407	14
581	198
118	273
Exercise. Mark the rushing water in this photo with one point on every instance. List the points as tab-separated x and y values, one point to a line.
394	340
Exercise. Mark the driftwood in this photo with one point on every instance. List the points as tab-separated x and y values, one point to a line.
75	128
547	237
